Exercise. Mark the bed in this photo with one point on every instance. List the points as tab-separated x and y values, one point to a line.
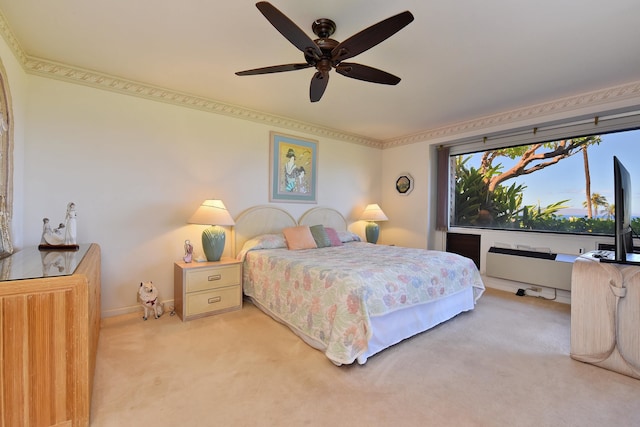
347	298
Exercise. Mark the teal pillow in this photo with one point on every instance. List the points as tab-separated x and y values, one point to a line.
320	236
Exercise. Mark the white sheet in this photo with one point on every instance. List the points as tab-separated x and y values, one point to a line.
399	325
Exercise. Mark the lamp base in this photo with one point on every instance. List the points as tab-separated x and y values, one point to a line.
213	242
372	231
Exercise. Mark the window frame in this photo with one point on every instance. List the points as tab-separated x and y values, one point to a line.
584	126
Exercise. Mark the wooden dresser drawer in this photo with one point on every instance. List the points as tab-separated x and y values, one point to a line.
212	301
201	279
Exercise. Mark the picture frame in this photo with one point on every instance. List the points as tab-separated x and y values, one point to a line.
404	184
293	169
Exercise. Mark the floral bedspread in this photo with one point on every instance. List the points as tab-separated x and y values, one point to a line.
329	294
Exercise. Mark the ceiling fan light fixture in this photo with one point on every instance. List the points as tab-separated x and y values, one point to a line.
325	53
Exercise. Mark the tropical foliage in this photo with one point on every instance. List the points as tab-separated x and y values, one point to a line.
484	198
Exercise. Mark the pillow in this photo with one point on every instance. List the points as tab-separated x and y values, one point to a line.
299	237
320	236
264	241
334	239
347	236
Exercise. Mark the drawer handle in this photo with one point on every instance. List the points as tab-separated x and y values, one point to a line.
214	277
215	300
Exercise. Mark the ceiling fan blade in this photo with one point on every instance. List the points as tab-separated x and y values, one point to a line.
366	73
274	69
370	36
289	29
318	85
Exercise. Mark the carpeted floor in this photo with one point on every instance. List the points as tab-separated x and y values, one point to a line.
504	364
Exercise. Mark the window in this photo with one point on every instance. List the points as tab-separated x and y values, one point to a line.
562	185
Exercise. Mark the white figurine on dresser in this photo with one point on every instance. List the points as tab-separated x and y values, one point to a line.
70	225
62	237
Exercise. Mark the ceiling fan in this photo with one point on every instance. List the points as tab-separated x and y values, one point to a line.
325	53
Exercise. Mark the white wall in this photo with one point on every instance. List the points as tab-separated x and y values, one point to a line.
409	215
137	169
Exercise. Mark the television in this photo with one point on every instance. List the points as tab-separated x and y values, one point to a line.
622	230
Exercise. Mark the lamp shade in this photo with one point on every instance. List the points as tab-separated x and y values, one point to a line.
211	212
214	213
373	213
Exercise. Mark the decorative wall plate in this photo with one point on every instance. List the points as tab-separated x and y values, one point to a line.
404	184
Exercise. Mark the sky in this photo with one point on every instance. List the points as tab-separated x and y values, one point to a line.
566	179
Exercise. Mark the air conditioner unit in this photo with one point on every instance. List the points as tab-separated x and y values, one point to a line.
537	268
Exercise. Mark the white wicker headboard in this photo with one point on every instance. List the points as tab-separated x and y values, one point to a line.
326	216
267	219
260	220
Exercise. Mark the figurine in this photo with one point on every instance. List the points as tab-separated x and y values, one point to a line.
49	236
70	225
188	251
63	237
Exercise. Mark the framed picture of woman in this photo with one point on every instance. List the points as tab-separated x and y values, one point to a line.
293	169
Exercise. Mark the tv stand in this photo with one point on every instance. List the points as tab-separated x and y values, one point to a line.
632	259
605	307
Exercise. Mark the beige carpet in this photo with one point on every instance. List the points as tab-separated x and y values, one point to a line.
504	364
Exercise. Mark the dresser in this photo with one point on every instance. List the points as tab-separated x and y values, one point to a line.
206	288
50	323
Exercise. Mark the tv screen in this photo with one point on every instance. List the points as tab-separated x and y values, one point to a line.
623	232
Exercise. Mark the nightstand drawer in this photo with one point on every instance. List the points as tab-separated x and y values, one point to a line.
212	278
212	301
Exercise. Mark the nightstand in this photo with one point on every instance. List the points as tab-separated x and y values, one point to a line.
205	288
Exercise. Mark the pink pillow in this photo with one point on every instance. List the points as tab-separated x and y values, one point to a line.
333	236
299	237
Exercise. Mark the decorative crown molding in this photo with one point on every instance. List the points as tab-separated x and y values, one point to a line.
512	118
539	112
51	69
98	80
11	40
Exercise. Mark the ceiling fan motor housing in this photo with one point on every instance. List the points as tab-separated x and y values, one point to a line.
323	28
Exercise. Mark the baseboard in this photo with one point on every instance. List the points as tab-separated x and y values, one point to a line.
168	305
490	282
560	295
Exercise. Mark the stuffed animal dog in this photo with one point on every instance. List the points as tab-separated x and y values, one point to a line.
148	296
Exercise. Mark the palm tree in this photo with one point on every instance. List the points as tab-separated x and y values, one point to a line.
597	200
611	211
587	180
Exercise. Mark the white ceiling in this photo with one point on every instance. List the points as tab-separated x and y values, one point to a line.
458	60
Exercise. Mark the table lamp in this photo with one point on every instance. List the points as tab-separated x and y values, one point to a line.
215	214
373	213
